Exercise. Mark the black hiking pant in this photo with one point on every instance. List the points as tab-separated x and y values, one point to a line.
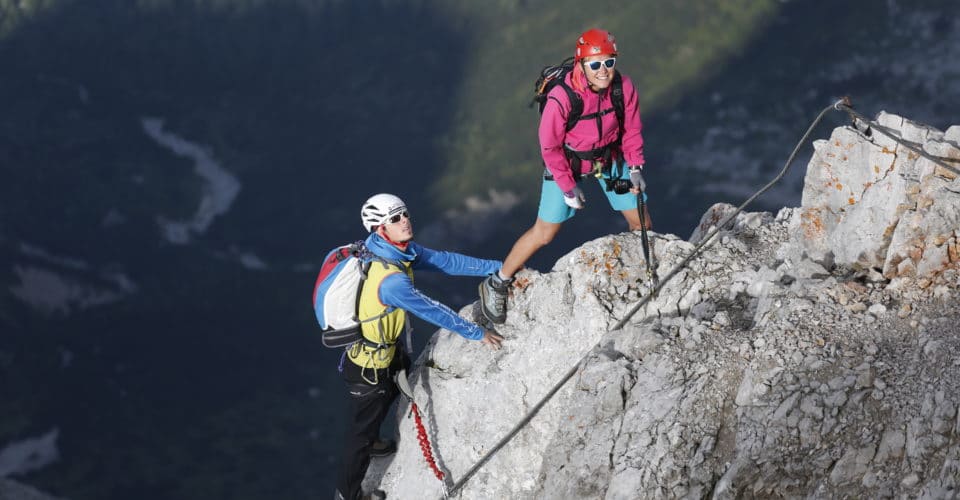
369	405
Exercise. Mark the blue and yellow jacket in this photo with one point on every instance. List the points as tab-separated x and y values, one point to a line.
390	294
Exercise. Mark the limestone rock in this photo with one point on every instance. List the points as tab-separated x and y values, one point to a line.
778	363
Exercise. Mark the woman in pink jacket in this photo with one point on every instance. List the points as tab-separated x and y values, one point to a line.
595	146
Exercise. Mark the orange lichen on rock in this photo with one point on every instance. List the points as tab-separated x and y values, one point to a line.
607	262
812	224
520	283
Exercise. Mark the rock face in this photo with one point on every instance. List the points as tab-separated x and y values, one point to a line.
868	202
814	353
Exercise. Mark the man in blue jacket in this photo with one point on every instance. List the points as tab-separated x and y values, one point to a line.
387	296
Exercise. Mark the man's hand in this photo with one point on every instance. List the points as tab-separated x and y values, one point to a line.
636	178
574	198
492	339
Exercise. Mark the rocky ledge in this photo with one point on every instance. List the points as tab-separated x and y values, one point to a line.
811	353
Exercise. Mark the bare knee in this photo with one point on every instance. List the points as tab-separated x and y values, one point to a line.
543	233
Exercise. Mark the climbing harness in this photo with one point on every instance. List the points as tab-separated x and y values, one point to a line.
377	348
602	159
844	105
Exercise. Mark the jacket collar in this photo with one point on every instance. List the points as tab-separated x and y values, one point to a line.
381	248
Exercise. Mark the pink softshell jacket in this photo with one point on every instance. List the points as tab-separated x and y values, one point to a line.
584	136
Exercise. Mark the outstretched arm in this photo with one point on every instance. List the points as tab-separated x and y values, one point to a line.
453	263
398	291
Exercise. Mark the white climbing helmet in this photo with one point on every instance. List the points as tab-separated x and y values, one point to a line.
380	207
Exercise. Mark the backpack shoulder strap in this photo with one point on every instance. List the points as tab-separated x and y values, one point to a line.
616	97
364	269
576	104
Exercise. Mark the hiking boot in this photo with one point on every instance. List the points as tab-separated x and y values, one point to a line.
493	298
383	448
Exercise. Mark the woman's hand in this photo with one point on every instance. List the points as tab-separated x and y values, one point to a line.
574	198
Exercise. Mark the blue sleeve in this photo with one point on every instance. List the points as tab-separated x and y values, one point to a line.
453	263
398	291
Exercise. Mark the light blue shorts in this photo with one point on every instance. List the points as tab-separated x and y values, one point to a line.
553	209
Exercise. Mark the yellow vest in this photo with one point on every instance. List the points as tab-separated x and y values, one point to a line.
385	330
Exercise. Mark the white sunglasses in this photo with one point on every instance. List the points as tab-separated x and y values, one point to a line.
396	218
595	65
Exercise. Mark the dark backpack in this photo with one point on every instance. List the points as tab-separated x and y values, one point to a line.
551	76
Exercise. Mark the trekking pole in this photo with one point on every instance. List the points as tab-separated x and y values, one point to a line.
651	271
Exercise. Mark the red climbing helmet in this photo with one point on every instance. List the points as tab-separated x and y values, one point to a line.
594	42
